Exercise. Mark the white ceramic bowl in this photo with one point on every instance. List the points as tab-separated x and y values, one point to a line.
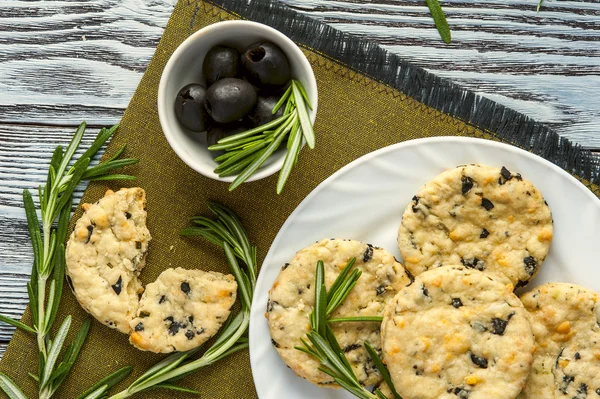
185	66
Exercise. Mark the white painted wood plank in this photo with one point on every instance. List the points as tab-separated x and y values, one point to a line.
63	62
25	153
545	64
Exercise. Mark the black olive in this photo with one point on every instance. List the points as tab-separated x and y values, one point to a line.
266	66
221	62
531	265
351	347
467	184
480	361
229	99
487	204
368	254
262	111
118	285
505	173
189	108
218	131
185	287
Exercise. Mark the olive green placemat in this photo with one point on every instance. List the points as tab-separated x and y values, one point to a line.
360	110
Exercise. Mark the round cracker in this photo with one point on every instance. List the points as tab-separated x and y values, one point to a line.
105	254
291	300
564	318
457	333
182	309
482	217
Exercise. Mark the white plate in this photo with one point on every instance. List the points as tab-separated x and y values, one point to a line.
365	201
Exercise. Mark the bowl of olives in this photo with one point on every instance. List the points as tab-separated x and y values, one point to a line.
226	79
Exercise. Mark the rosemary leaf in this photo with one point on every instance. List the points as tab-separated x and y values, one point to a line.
33	302
307	128
440	20
10	388
339	280
204	233
70	151
234	144
79	340
323	344
33	225
325	349
241	155
294	144
250	169
101	138
304	94
113	177
63	221
51	299
356	319
539	5
118	153
380	394
162	367
341	294
245	291
57	283
17	323
282	100
335	346
105	167
259	129
214	227
55	161
68	191
226	155
318	313
98	393
237	168
173	387
382	369
54	351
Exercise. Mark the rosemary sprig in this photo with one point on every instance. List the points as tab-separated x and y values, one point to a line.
228	233
247	151
440	20
48	270
322	344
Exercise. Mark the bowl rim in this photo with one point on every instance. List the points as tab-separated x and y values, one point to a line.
177	146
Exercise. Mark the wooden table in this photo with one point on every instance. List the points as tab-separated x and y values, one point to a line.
65	61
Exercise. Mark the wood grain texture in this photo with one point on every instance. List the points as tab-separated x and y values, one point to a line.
64	61
544	64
